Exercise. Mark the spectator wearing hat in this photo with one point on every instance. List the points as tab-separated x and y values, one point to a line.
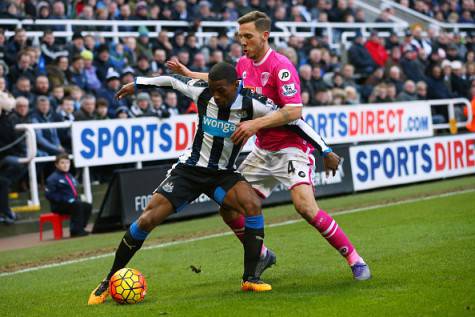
109	91
118	56
143	66
141	11
47	139
93	83
127	75
122	113
411	66
87	110
419	42
49	49
142	107
392	41
76	73
144	46
359	56
103	62
453	53
77	45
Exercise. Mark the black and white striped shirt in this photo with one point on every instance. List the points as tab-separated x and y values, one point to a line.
212	146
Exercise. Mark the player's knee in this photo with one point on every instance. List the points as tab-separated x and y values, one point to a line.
228	215
251	207
147	221
306	209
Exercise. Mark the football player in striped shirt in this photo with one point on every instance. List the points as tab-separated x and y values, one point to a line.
208	167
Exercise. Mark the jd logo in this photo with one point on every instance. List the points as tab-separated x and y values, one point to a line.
284	74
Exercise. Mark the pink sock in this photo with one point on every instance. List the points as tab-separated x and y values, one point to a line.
237	226
330	230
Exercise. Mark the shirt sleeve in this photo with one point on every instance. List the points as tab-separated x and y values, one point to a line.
263	107
307	133
287	83
191	88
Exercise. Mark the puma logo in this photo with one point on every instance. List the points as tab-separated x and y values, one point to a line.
128	245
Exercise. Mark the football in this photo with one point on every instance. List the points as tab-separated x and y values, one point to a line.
127	286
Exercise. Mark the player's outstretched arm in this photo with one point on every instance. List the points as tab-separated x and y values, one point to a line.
175	66
247	129
191	88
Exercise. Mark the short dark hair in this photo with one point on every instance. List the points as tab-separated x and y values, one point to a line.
61	156
222	71
260	19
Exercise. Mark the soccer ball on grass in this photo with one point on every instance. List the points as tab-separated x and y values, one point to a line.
127	286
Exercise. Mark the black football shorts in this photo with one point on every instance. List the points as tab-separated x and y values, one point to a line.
184	183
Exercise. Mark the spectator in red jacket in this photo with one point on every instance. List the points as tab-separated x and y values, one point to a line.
375	47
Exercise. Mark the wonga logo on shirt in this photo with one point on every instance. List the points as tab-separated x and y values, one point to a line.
219	128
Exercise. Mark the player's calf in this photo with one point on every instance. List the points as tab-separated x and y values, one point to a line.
157	210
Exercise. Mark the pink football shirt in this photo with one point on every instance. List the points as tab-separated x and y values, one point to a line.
276	78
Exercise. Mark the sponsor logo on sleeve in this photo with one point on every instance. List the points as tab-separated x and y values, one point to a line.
289	90
284	74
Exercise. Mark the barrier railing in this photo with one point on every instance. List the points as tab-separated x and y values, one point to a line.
444	25
205	30
31	159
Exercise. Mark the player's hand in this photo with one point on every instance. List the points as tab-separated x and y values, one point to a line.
331	163
244	131
176	67
126	90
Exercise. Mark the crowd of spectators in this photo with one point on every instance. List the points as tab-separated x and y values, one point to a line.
189	10
56	81
451	11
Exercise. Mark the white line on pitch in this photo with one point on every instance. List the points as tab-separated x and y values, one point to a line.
177	242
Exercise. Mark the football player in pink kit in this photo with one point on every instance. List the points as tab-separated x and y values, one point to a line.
280	156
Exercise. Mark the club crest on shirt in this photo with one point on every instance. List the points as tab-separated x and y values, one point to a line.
168	187
284	74
264	78
289	90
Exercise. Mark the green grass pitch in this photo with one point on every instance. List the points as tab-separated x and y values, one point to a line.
421	253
